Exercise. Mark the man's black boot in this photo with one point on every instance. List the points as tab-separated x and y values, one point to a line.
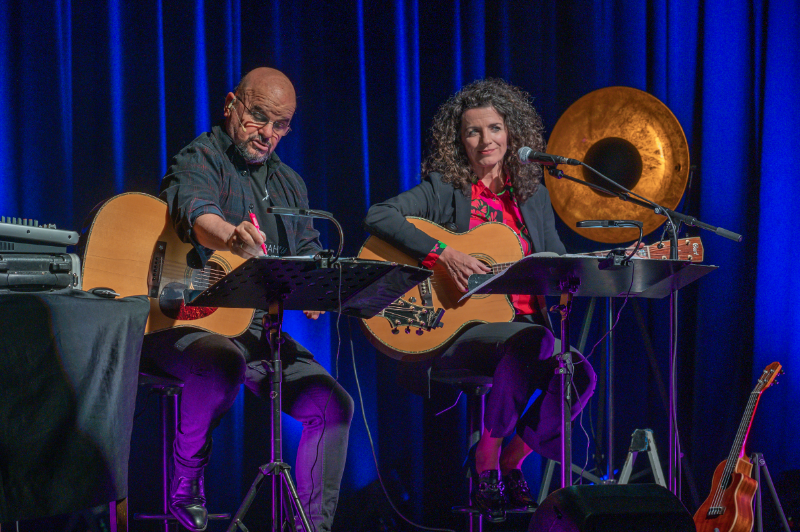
187	503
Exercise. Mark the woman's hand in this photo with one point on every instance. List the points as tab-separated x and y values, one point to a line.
460	266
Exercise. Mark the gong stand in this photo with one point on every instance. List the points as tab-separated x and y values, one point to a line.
672	232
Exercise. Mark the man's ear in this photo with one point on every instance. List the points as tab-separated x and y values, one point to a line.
230	99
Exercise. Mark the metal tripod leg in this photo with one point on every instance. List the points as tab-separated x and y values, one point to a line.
759	465
276	468
642	441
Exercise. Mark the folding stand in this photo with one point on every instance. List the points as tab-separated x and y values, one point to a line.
579	275
359	288
642	442
759	466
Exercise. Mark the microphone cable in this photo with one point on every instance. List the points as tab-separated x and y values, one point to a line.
372	445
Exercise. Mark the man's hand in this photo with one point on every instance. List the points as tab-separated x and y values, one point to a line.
460	266
313	314
246	241
243	240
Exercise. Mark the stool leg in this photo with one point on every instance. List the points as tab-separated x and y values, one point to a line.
476	405
118	515
169	419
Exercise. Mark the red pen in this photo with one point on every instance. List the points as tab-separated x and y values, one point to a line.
255	222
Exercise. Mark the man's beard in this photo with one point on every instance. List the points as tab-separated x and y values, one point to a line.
252	156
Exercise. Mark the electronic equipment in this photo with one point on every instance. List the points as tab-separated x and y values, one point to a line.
34	258
23	235
37	272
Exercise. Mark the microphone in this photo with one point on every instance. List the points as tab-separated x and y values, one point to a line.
230	108
325	215
527	156
291	211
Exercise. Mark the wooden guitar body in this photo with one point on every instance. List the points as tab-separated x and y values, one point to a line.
729	507
132	248
736	501
411	329
399	330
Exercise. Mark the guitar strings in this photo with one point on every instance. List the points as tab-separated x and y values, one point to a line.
737	446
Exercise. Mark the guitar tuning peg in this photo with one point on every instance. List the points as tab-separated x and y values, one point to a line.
419	332
408	330
395	331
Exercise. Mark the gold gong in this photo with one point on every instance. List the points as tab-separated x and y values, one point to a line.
629	136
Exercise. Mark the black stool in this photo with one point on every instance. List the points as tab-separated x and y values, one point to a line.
475	387
169	389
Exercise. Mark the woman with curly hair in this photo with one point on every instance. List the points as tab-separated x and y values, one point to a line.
473	176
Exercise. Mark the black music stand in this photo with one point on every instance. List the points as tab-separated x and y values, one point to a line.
580	275
354	287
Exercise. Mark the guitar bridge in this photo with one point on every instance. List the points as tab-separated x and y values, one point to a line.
715	511
156	267
401	313
425	293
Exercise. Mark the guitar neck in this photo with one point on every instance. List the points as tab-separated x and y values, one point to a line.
688	249
737	449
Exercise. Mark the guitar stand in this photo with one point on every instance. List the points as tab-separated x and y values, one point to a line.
759	465
642	441
276	468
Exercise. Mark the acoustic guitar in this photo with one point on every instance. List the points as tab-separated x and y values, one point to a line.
423	322
132	248
729	506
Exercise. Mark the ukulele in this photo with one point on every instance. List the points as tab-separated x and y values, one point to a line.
729	506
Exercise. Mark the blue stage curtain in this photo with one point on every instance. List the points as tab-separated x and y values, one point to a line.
99	94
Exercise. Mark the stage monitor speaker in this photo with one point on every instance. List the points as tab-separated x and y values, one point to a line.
629	508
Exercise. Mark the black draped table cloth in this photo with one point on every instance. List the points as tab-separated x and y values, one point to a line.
68	377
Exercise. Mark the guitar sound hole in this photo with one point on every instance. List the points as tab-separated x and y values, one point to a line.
172	304
487	261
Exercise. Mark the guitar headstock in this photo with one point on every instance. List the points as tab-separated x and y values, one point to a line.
768	376
689	248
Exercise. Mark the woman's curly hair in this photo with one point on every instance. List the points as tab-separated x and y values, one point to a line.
523	124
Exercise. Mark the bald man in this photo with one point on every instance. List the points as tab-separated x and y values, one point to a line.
209	188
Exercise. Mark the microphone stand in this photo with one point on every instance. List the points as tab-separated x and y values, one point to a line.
672	232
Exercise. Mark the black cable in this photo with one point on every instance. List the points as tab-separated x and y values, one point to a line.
338	266
372	446
619	313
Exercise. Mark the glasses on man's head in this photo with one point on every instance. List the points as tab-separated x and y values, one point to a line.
258	120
